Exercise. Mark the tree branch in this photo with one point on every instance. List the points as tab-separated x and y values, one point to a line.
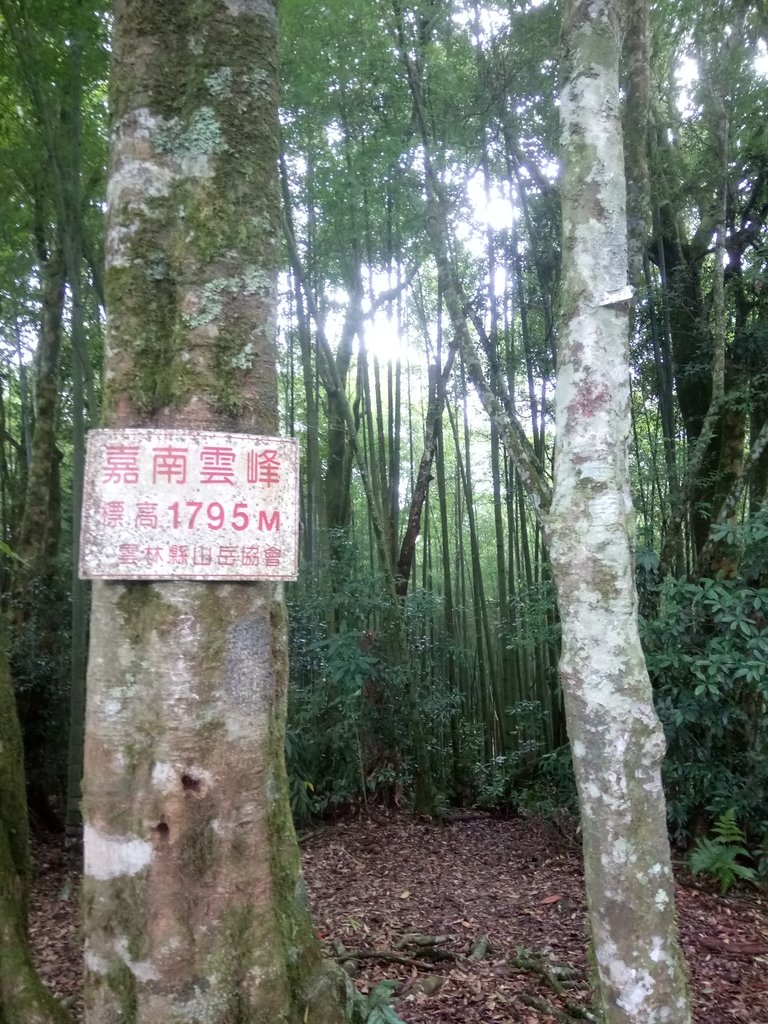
500	411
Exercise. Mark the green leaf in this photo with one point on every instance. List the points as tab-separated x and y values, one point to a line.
383	1015
6	550
718	857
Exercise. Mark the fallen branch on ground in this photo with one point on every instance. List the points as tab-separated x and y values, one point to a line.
386	956
479	948
536	965
548	974
571	1013
421	941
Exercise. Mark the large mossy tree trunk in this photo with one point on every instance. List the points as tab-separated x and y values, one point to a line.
194	907
23	998
615	735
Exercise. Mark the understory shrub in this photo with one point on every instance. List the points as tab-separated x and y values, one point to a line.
39	654
550	791
378	710
529	778
707	654
358	692
341	740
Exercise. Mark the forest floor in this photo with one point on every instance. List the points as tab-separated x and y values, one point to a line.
384	889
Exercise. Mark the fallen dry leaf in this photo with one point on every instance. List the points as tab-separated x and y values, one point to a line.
484	874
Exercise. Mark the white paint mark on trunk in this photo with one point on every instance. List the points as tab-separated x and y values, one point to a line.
109	857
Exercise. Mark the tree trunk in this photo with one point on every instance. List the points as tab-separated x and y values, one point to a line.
35	548
437	380
36	601
637	59
193	902
615	735
23	999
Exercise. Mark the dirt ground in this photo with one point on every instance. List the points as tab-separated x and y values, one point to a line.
479	921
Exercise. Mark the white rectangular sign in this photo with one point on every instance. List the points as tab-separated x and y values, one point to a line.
173	504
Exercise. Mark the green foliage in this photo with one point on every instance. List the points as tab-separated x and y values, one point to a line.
510	780
376	1007
5	549
760	855
707	653
372	712
751	537
382	705
346	722
721	857
543	786
328	738
533	620
39	656
550	790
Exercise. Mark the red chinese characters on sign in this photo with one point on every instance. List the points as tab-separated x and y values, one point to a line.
146	514
112	513
227	555
121	464
181	554
178	554
263	467
169	464
202	556
129	554
272	556
217	466
173	504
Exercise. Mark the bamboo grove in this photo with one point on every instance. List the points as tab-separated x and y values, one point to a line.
421	234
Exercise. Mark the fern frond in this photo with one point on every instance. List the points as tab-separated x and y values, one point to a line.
727	830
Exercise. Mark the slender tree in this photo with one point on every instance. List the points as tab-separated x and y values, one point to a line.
193	903
615	735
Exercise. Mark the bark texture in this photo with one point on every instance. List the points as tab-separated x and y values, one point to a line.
637	59
616	738
23	998
37	544
193	901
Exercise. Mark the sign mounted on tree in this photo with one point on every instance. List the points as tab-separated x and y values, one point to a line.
191	505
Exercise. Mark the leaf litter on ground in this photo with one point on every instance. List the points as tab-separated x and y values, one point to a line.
405	901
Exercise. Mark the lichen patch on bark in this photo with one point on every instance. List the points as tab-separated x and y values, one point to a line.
616	737
187	680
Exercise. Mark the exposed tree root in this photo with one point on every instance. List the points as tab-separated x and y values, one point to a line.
559	985
568	1016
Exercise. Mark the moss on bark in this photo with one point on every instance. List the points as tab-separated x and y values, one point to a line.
186	797
23	998
206	89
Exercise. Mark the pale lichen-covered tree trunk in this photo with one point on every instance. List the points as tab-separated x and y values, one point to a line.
193	902
616	737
